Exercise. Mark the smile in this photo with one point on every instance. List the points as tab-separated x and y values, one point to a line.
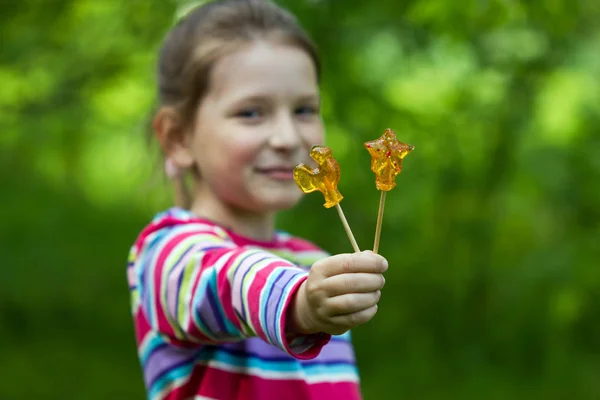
277	173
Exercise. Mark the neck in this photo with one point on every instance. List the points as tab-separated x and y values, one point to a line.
250	224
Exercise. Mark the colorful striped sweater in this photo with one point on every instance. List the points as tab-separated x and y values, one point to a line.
209	309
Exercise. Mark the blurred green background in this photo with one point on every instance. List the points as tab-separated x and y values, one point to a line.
492	232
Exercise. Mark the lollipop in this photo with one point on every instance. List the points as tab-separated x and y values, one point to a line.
324	178
387	154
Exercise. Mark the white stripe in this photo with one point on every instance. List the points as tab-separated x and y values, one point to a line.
188	297
172	385
241	268
288	375
144	342
264	293
281	375
191	297
279	335
337	378
170	277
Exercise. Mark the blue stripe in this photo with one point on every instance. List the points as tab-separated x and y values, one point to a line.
279	359
213	300
203	249
197	297
249	360
322	369
148	296
246	360
284	294
344	337
244	278
181	274
228	327
154	344
178	371
263	305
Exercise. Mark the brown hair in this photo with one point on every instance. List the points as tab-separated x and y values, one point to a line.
207	33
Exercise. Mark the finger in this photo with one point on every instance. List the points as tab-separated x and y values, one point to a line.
355	319
359	282
352	303
365	261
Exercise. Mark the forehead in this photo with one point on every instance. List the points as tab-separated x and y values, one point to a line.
264	67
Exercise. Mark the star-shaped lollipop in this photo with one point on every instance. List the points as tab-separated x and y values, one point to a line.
387	154
324	178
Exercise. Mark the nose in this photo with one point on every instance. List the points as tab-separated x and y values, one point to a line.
285	136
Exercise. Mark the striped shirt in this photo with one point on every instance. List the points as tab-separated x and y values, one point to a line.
209	308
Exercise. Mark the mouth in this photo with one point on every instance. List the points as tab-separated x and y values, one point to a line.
279	173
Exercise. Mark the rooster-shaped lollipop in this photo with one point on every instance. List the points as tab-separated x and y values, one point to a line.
324	178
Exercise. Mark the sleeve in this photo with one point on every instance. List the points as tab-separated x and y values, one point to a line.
199	288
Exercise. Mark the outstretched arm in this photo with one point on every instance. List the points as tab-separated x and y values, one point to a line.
197	287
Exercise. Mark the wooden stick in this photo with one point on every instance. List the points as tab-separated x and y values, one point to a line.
379	221
347	228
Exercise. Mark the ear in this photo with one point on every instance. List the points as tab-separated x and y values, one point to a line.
172	137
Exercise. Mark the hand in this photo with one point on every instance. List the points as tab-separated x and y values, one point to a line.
340	293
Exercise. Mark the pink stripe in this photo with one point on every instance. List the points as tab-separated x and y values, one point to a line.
209	382
167	222
245	263
192	329
315	350
174	278
142	327
256	287
297	244
255	292
163	323
223	285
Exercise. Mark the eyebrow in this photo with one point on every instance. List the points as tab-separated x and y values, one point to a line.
311	97
262	98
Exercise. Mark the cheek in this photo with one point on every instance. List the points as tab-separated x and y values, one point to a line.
239	157
224	154
314	133
228	164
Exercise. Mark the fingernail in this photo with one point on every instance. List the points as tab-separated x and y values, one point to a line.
385	264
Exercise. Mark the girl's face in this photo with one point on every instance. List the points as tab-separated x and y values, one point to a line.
258	120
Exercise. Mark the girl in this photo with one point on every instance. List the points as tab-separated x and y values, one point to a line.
226	307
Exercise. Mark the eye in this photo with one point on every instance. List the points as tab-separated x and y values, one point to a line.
306	110
250	113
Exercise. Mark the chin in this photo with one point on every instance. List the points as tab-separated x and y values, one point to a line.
283	204
279	202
